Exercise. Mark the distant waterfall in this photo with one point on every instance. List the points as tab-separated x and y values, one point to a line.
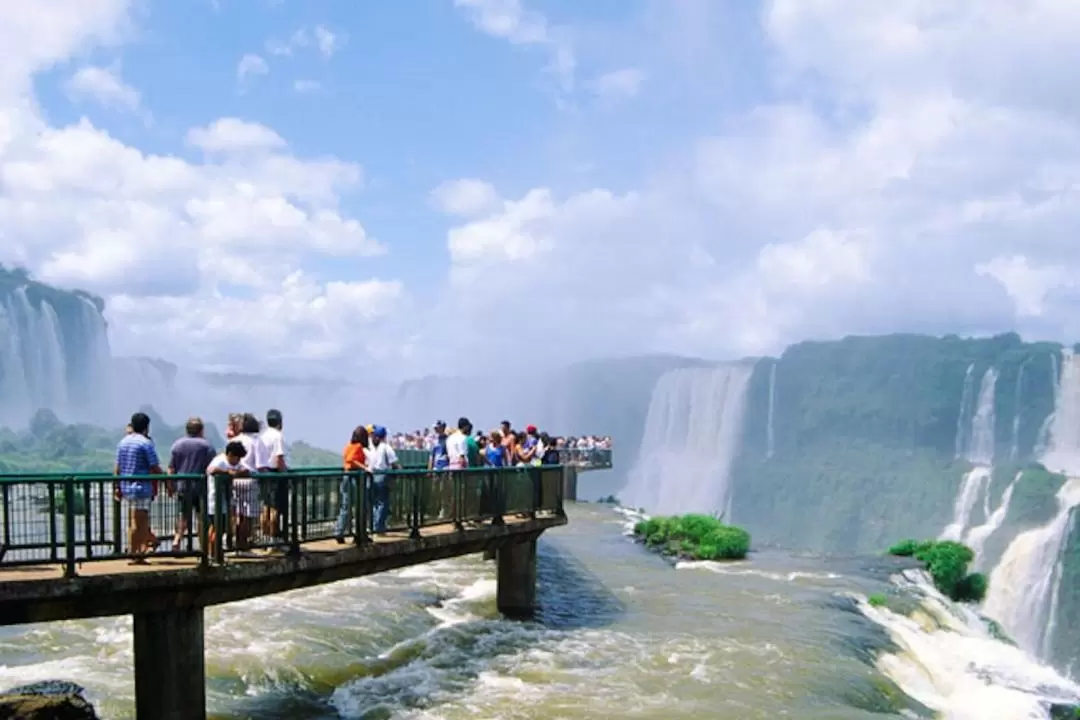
770	435
693	431
1018	396
965	409
979	449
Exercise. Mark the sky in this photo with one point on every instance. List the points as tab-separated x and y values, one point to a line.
394	189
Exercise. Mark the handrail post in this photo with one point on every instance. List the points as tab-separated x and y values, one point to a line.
69	527
360	507
88	521
560	490
224	514
414	512
204	521
458	481
53	539
495	497
295	518
117	519
537	490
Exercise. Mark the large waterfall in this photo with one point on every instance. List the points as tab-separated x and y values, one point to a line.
693	431
977	445
54	351
1025	583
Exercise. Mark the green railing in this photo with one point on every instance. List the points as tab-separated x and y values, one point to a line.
75	519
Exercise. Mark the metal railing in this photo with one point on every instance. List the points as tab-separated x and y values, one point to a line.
591	458
74	519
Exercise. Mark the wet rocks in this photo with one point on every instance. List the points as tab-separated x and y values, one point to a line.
49	700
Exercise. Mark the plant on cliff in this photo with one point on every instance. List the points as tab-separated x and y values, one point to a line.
701	537
947	562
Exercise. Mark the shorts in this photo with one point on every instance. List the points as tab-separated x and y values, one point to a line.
139	503
245	497
191	495
274	491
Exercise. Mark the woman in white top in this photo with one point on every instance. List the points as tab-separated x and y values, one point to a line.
227	464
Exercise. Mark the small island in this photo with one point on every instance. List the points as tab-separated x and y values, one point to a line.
693	537
947	563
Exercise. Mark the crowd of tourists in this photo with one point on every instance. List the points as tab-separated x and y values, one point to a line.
257	502
583	450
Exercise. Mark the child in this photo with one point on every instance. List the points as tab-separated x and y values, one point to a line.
227	464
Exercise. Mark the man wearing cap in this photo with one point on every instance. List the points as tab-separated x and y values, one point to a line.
382	457
531	445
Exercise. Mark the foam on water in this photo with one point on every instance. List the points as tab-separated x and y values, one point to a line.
747	568
948	661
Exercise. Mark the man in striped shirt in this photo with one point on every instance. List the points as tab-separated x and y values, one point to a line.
136	461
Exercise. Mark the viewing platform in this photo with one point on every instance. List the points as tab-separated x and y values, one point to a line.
65	554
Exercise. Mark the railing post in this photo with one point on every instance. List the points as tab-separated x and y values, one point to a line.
360	507
537	489
458	481
69	527
204	521
298	516
498	503
53	539
417	479
6	495
223	511
560	489
88	519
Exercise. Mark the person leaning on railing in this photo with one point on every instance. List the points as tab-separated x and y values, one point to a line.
355	460
227	465
136	461
381	457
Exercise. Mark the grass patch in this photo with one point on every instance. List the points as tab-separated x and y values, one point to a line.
699	537
947	562
877	600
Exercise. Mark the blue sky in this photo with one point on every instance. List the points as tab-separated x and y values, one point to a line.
709	177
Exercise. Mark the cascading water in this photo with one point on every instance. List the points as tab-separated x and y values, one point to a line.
965	409
980	451
977	536
692	432
1014	450
770	435
1024	584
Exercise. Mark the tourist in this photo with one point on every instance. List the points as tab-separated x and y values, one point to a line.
550	453
355	457
457	449
439	459
495	452
530	445
245	495
274	491
190	455
137	460
381	458
229	464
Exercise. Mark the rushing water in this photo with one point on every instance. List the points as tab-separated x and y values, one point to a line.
622	633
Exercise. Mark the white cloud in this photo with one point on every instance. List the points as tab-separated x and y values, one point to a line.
328	42
198	261
306	86
104	86
233	135
509	20
298	40
623	83
1027	286
249	65
464	197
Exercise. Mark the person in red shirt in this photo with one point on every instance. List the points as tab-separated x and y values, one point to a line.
355	462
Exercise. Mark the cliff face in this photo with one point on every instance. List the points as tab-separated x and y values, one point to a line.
54	350
871	437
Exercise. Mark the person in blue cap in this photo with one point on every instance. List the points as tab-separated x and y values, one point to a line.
382	457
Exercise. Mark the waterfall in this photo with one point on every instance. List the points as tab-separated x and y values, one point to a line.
1051	621
693	430
1018	396
770	435
980	451
1023	584
974	484
965	408
977	536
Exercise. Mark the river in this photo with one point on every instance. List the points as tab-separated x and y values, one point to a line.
622	634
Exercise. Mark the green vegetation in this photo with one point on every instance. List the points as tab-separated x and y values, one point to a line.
698	537
609	500
877	600
947	562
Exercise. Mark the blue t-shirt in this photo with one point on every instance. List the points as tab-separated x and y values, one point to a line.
439	459
495	455
135	455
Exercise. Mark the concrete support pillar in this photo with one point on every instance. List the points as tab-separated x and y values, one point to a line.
170	668
515	595
569	483
491	554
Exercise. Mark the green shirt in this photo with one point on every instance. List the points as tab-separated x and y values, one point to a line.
472	452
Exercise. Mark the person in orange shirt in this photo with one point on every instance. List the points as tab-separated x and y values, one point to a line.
355	461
